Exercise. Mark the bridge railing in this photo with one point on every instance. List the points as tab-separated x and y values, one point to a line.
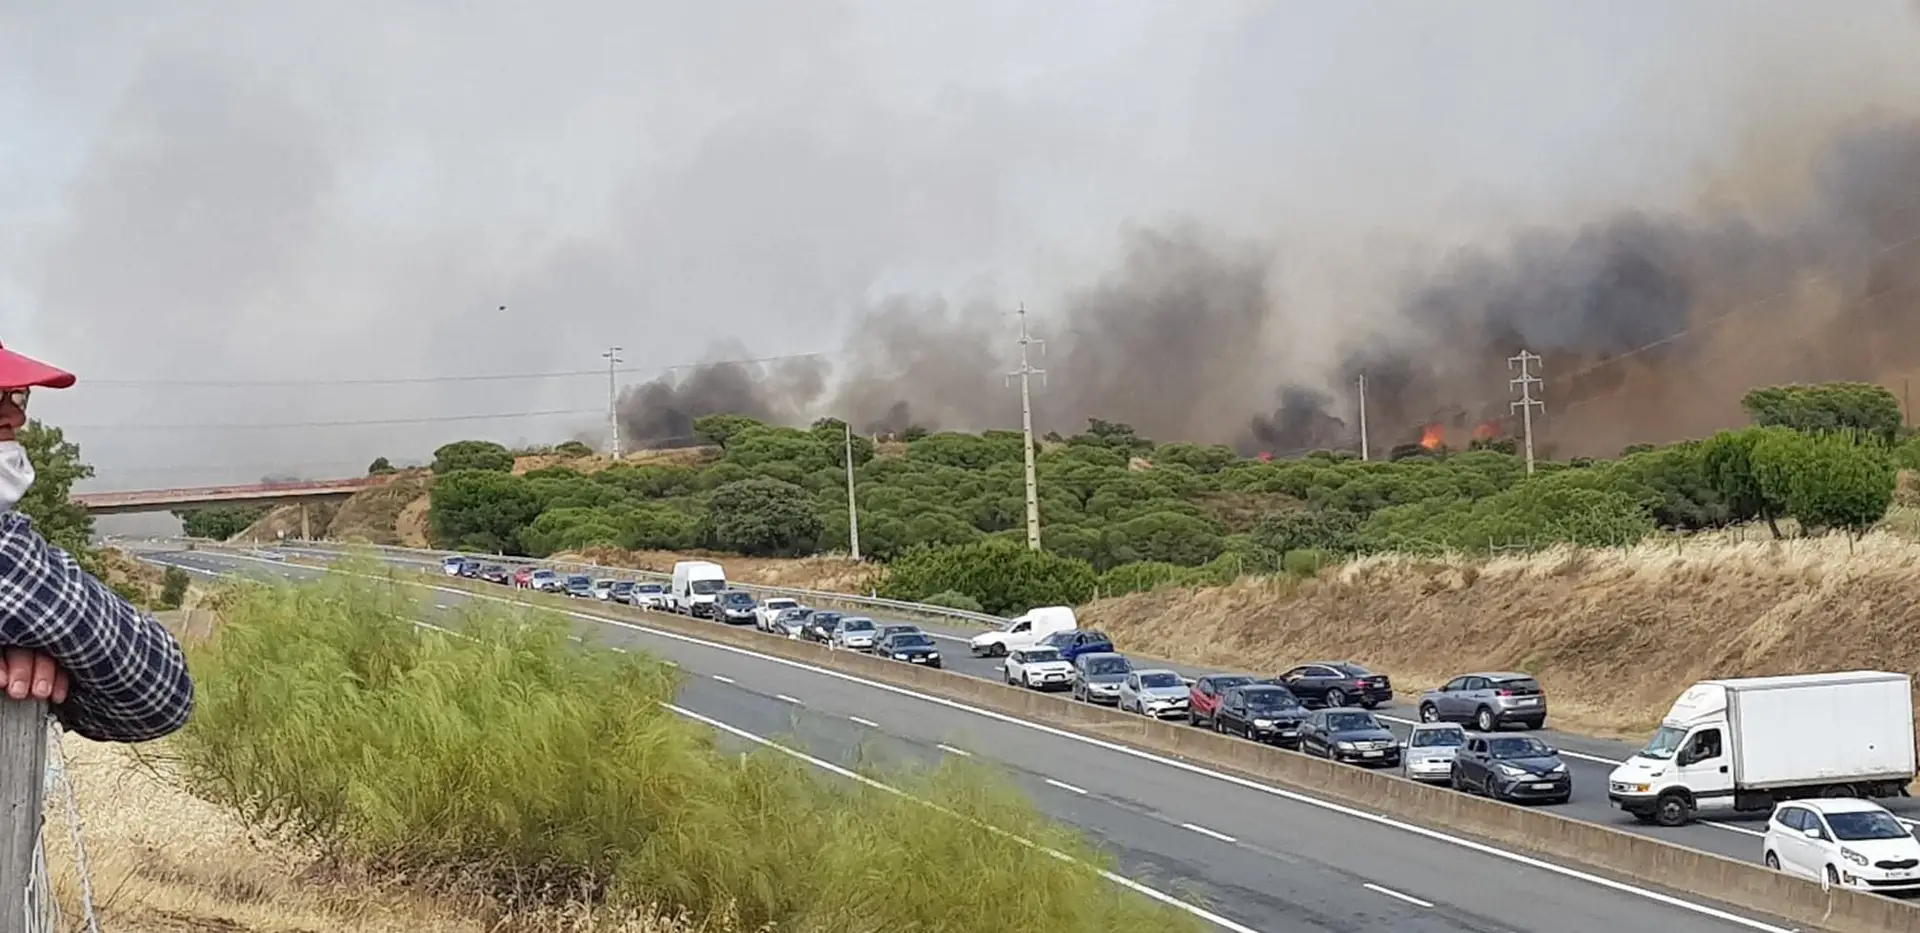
816	598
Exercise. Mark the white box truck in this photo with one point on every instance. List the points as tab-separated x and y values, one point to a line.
696	583
1024	631
1748	743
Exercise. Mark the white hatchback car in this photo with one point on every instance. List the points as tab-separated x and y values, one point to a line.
1843	842
1038	667
1430	750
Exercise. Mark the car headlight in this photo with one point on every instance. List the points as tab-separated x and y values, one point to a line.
1263	724
899	657
934	655
1511	771
1344	746
1854	857
1558	769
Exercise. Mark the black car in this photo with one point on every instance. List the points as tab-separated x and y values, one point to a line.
915	647
890	628
471	569
1338	683
1350	736
820	626
735	607
1512	767
1261	712
494	573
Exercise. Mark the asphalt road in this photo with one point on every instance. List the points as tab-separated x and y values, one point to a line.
1252	858
1588	759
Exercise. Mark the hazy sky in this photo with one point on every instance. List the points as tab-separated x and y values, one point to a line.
208	191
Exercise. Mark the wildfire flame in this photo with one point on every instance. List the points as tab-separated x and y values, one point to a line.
1430	437
1487	430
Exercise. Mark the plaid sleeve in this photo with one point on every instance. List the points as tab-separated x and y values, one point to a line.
129	678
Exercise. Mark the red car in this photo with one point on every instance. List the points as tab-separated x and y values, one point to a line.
523	578
1204	696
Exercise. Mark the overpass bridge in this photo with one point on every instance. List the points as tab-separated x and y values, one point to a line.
181	499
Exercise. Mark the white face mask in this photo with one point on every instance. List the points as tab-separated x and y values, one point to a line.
16	474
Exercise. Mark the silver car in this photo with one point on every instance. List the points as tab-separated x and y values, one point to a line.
856	632
1429	751
1487	700
1161	694
1097	677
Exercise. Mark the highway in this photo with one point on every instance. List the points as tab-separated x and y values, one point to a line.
1253	858
1589	760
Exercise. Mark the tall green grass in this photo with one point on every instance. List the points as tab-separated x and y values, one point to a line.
548	774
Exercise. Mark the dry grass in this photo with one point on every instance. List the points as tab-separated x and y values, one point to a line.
165	861
373	516
829	573
1614	634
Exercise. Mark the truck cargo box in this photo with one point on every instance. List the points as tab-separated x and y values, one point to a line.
1807	729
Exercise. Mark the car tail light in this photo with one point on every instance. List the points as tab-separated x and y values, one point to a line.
1503	693
1362	684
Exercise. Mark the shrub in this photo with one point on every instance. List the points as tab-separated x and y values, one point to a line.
537	772
1005	577
219	523
481	510
472	455
173	587
761	518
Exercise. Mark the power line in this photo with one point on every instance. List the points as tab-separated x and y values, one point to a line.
425	380
370	422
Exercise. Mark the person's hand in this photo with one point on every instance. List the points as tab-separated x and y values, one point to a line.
33	674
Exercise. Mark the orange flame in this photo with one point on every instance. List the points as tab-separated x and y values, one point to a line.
1430	437
1487	430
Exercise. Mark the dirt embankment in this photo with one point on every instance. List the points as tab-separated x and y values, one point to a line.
1614	635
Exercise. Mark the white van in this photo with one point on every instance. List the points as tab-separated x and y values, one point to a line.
695	584
1024	630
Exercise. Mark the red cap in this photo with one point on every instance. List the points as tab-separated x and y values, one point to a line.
23	372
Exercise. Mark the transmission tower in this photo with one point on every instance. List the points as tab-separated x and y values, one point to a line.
1526	402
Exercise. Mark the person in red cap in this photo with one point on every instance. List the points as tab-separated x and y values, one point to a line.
109	671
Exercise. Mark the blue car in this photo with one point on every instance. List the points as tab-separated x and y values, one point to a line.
580	585
1076	642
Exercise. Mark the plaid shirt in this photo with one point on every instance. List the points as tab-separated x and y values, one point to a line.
129	678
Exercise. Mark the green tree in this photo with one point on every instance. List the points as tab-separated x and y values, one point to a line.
218	523
173	588
1829	481
472	455
1826	408
481	510
1306	529
380	466
1727	462
721	429
761	517
56	466
1002	576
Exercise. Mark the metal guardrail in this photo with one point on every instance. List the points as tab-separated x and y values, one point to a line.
818	598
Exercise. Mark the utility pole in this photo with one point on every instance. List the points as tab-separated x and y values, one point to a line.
853	509
1525	403
613	415
1026	371
1363	417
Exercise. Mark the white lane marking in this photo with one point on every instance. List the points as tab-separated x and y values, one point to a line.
1435	835
954	751
865	722
1397	895
723	678
440	606
782	696
624	651
1067	787
1729	827
830	767
1202	830
576	638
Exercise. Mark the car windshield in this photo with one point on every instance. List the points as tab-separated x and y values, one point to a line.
579	581
1866	824
912	640
1108	666
738	599
1035	655
545	574
644	587
1517	747
856	624
1438	738
1223	684
1665	742
826	619
623	587
707	587
1159	681
1351	722
1268	700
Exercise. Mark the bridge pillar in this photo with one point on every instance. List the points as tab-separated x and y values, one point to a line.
306	529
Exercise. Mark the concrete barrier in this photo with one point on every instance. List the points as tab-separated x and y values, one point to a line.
1575	843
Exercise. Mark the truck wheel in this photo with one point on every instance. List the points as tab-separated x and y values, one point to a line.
1839	790
1673	810
997	651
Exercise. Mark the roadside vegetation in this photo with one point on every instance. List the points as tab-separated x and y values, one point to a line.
1122	514
515	767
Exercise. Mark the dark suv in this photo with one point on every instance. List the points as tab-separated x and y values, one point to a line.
1338	683
1075	642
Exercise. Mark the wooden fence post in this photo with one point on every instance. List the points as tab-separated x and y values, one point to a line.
23	777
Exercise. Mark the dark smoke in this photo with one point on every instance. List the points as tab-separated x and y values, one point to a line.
1649	326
